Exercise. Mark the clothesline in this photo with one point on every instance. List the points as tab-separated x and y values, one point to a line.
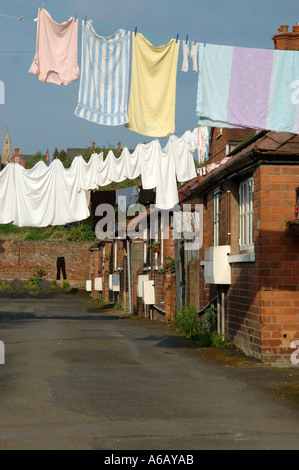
237	87
54	195
95	23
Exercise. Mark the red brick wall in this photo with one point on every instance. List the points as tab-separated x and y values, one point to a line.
263	299
243	309
278	260
217	150
262	302
21	259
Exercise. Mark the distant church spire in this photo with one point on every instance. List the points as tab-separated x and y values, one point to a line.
6	154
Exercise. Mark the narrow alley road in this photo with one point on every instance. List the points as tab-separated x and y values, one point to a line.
76	377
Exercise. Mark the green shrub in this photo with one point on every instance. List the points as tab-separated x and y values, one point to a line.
203	329
187	321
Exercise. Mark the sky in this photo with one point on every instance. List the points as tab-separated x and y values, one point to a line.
40	116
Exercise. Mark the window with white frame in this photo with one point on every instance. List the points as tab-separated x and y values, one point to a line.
216	219
246	190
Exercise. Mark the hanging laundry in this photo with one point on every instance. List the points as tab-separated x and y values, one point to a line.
167	190
201	140
104	81
149	157
49	199
146	196
115	167
182	149
251	88
98	198
153	87
56	195
185	64
132	167
7	194
55	59
126	197
89	172
194	54
60	264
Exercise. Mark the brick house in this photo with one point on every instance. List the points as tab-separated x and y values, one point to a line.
249	260
248	264
120	266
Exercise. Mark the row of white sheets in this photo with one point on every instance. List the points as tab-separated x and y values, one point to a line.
54	195
41	196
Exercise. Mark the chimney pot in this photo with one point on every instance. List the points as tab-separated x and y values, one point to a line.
284	28
296	28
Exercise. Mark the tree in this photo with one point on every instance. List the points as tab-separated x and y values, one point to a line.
55	153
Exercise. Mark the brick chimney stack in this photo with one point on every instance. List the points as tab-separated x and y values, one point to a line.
119	146
17	151
287	40
47	155
93	144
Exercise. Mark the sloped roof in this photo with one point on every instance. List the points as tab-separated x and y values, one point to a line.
265	145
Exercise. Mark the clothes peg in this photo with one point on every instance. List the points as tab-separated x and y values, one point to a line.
20	19
177	37
135	30
85	20
127	29
186	38
76	17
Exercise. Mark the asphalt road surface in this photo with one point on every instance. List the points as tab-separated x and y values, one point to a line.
79	377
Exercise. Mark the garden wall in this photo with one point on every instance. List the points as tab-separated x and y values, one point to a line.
22	259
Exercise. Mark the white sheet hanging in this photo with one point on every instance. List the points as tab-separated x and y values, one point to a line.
52	198
182	149
56	195
7	194
88	171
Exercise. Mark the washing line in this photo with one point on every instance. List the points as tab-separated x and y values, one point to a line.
97	24
14	18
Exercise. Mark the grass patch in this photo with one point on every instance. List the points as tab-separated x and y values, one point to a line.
82	231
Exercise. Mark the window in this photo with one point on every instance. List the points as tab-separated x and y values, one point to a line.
246	189
216	219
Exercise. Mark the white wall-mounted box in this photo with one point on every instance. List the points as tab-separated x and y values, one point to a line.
217	269
88	286
148	292
98	284
140	279
114	282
